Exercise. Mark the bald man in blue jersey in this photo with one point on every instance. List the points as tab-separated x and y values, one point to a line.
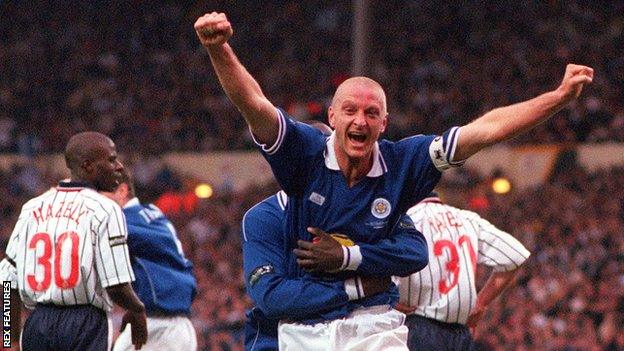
354	183
164	277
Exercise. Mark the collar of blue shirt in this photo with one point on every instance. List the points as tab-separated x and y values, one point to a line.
379	165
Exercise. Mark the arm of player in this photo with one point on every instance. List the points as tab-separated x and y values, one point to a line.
506	122
403	253
124	296
265	266
114	270
499	250
8	272
214	30
496	283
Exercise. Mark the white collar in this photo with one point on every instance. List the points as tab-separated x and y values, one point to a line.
331	162
132	202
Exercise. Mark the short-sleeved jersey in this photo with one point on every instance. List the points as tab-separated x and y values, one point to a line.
458	240
68	245
164	277
305	165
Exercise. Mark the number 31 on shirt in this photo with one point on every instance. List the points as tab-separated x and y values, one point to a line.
452	266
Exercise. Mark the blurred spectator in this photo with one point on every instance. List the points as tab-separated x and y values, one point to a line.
135	71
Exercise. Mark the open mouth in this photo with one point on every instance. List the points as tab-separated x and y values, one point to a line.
356	137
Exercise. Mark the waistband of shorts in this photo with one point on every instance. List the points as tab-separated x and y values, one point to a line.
379	309
451	326
68	307
162	314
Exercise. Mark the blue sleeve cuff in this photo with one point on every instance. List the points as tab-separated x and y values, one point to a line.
280	135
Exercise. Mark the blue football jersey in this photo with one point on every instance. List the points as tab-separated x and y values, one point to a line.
164	277
404	172
268	262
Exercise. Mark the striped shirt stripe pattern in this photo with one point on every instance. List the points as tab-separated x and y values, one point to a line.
68	245
458	241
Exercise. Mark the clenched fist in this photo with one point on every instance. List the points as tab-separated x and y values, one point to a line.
575	77
213	29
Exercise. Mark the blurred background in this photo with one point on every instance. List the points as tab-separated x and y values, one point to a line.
135	71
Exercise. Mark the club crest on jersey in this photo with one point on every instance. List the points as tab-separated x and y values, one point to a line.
381	208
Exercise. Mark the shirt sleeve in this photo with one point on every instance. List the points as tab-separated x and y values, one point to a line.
112	257
265	265
498	249
8	266
403	253
442	150
290	157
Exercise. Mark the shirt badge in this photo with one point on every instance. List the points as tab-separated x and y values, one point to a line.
381	208
259	272
317	198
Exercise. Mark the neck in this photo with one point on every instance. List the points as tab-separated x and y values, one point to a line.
122	202
353	169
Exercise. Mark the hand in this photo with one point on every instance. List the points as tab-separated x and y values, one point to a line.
407	309
138	325
324	254
473	319
375	285
213	29
575	77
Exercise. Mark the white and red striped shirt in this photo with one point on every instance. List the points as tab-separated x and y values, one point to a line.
458	240
68	245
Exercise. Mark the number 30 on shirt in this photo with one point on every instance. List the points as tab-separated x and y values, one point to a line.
52	260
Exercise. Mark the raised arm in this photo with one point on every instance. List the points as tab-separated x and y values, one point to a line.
213	31
506	122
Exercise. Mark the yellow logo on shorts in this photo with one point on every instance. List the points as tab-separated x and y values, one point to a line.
381	208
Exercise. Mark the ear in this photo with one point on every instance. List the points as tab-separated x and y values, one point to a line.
330	117
384	124
87	166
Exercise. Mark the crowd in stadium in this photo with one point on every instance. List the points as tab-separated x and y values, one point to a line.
135	70
571	291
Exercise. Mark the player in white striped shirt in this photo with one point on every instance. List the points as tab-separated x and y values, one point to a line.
68	256
441	300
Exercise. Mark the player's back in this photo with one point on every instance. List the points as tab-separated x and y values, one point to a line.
445	289
59	247
164	277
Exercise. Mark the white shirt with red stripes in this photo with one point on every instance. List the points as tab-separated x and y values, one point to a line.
458	240
68	245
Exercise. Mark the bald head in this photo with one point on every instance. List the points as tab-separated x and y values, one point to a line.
352	83
83	146
91	157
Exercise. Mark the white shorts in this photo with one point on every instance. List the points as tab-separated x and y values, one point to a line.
371	328
163	333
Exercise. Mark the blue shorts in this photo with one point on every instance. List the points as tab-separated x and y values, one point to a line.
426	334
64	328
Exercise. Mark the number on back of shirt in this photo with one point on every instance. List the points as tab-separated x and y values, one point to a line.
58	260
452	266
